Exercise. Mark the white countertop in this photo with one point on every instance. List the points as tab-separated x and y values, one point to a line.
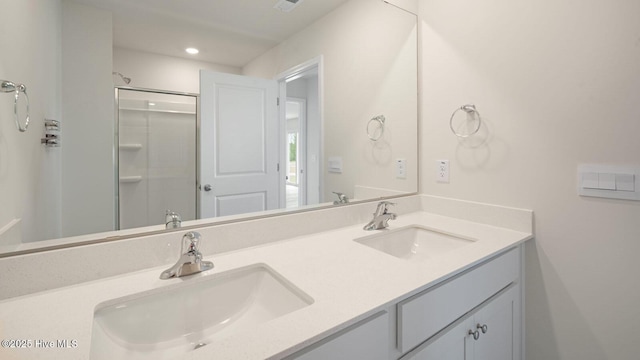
347	281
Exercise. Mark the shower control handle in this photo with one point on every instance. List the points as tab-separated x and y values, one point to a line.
207	187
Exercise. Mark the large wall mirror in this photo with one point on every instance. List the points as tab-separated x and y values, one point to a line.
287	106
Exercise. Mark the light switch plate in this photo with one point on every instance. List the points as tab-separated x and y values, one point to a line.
334	164
609	181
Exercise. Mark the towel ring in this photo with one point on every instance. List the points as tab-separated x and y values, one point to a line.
8	87
470	109
378	131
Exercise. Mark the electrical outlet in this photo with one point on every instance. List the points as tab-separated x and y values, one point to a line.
442	171
401	168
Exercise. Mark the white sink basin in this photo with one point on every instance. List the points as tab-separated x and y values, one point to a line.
177	320
414	242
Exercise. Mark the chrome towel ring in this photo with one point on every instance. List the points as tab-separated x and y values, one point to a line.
472	113
11	87
375	132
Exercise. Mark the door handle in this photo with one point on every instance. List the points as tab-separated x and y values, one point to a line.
207	187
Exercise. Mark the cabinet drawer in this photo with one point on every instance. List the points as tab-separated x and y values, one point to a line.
423	315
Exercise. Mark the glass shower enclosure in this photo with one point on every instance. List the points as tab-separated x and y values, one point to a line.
156	156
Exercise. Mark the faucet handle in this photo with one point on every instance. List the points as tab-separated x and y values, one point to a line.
172	219
383	207
342	198
190	242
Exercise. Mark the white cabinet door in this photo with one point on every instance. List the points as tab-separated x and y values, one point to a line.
498	342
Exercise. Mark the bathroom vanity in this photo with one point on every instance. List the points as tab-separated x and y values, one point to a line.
444	281
475	315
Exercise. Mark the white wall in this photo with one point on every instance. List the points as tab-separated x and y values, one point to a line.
87	121
368	48
557	83
153	71
29	172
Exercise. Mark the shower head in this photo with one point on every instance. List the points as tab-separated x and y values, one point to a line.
124	78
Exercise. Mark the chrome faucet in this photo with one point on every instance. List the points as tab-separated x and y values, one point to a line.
381	217
190	261
172	220
342	198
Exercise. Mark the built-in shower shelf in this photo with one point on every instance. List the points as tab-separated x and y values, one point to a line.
130	179
130	146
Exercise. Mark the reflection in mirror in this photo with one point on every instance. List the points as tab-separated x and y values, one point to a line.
179	122
297	182
156	156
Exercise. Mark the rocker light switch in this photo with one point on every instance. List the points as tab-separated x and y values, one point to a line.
607	181
625	182
590	180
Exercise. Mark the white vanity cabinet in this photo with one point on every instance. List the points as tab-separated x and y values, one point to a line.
425	314
475	315
489	333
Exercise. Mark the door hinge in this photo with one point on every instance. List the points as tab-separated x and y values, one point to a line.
278	167
278	101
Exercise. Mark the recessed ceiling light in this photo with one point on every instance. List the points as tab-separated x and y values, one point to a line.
192	51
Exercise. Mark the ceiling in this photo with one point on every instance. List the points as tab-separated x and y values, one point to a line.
228	32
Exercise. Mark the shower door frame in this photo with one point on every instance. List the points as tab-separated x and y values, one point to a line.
116	143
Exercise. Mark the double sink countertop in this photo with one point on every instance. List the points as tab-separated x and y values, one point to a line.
347	281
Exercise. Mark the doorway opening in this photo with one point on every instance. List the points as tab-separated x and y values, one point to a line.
301	131
295	152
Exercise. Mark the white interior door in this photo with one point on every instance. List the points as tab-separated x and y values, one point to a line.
239	139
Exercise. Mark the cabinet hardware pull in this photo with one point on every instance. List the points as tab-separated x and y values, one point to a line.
483	328
475	334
